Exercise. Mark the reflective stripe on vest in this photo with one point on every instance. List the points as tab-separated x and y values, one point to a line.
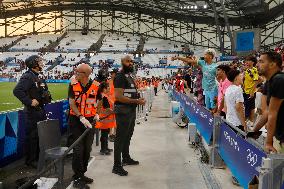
85	104
130	90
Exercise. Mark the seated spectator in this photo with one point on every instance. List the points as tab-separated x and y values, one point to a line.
234	101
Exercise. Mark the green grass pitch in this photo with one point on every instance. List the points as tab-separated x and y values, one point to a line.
8	101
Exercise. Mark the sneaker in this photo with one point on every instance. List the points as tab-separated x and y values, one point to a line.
110	150
235	181
129	162
119	171
104	152
79	183
87	180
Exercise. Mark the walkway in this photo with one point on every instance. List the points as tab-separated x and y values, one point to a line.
166	161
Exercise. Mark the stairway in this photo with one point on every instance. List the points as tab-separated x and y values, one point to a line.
7	47
97	46
51	47
57	61
141	44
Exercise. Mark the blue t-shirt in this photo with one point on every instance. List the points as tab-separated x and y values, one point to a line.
209	74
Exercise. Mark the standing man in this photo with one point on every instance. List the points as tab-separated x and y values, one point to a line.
209	69
250	83
33	93
270	65
222	71
127	98
82	100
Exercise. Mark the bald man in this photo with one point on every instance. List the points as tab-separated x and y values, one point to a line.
82	100
127	99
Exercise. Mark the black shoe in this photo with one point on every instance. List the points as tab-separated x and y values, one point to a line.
87	180
119	171
104	152
32	165
80	183
129	162
110	150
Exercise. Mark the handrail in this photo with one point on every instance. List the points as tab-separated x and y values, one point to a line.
50	165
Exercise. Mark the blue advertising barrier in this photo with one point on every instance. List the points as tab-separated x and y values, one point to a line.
57	81
12	130
197	114
8	79
241	157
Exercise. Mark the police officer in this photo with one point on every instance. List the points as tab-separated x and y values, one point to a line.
127	99
82	100
33	93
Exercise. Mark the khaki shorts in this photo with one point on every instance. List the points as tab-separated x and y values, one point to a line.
278	146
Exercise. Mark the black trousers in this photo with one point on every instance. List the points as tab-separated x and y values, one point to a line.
81	152
155	90
31	141
125	127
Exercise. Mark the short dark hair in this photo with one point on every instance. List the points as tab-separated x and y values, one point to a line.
251	58
274	57
225	68
233	74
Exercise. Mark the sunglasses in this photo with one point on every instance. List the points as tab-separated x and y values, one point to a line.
77	72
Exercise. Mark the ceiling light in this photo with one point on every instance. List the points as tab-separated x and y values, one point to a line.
188	7
191	7
205	6
195	7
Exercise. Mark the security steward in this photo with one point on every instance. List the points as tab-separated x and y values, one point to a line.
113	72
106	115
82	99
126	100
33	93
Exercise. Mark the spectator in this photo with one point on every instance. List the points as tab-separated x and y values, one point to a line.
250	83
209	68
270	65
222	71
234	101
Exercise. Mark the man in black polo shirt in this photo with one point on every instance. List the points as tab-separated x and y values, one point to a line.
126	100
270	66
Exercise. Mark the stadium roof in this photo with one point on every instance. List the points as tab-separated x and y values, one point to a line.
240	12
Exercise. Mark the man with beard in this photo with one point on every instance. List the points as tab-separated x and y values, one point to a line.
127	99
270	65
33	93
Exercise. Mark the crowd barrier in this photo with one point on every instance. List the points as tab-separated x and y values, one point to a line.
12	130
244	157
143	111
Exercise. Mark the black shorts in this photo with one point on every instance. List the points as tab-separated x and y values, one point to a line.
249	104
223	114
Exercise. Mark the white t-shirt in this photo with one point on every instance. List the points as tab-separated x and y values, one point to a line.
233	95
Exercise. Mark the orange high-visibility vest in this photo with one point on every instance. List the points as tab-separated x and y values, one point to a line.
111	91
108	121
85	102
156	84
